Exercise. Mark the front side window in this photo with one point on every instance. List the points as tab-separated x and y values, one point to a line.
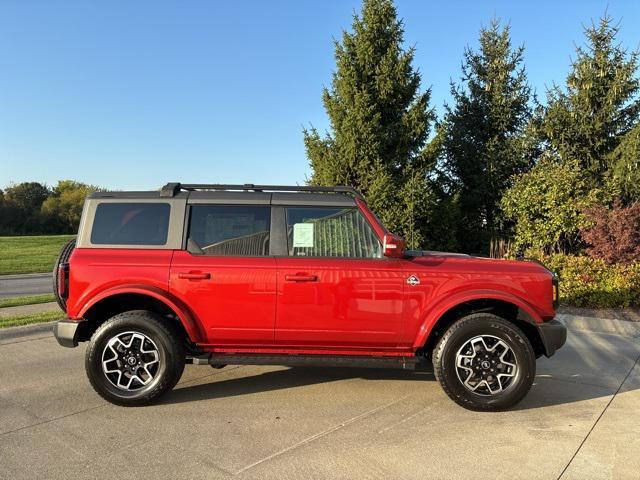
231	230
130	224
330	232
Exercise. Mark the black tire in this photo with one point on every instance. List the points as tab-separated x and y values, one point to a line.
64	256
451	378
170	352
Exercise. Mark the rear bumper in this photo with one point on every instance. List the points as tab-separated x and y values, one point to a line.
67	332
553	335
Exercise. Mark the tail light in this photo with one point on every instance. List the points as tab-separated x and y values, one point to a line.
63	280
556	292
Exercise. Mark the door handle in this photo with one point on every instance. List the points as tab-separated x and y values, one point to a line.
301	278
194	276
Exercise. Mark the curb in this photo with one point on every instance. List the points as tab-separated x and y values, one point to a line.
11	333
582	323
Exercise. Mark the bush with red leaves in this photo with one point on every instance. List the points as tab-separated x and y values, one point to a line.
615	233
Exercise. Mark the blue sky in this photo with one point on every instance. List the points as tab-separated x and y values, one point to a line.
130	95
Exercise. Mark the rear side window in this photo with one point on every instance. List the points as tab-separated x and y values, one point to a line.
330	232
130	224
231	230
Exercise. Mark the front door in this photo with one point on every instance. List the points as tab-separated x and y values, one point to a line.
334	288
230	285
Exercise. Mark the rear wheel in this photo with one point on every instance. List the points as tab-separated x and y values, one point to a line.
484	362
134	357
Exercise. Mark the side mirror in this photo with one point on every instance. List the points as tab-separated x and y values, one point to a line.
193	248
393	246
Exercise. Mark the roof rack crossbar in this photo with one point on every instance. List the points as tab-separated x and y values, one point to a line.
172	189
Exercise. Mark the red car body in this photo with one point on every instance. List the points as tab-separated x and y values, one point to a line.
387	306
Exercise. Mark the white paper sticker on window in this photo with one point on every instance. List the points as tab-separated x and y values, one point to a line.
303	235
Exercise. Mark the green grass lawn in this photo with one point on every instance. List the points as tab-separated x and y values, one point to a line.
20	320
30	254
27	300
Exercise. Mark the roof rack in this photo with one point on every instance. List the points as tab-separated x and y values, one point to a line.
172	189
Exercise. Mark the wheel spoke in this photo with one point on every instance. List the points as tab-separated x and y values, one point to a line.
491	390
472	387
149	376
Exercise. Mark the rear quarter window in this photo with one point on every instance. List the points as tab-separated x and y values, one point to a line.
131	224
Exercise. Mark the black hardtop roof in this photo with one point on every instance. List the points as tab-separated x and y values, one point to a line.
247	193
171	189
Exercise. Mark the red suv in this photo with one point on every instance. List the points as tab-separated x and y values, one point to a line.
248	274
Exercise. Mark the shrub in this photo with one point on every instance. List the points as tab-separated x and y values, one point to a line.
591	282
547	206
614	235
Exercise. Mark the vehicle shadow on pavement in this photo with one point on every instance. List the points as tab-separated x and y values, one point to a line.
547	391
292	377
592	366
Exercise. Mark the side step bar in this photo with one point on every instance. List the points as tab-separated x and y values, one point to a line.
405	363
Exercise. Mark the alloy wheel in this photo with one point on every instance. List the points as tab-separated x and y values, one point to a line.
130	360
486	365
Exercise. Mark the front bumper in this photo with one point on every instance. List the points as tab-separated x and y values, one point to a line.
553	335
67	332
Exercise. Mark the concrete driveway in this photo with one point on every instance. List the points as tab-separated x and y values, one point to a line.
581	420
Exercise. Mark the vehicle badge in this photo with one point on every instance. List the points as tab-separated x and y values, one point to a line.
413	280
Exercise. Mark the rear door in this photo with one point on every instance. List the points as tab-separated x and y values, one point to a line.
335	289
230	285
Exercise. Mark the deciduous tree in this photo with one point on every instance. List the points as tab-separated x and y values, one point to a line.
65	204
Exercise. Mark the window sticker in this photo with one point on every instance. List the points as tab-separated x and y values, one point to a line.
303	235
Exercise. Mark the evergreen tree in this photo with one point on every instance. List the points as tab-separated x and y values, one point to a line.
586	121
486	139
624	173
379	123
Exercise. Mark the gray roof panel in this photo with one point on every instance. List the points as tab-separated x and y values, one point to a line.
238	198
313	199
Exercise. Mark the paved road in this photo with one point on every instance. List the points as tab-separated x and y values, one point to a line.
29	284
580	420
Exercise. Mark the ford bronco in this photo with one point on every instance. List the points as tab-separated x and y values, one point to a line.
249	274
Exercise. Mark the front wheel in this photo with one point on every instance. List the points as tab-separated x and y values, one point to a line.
134	357
484	362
